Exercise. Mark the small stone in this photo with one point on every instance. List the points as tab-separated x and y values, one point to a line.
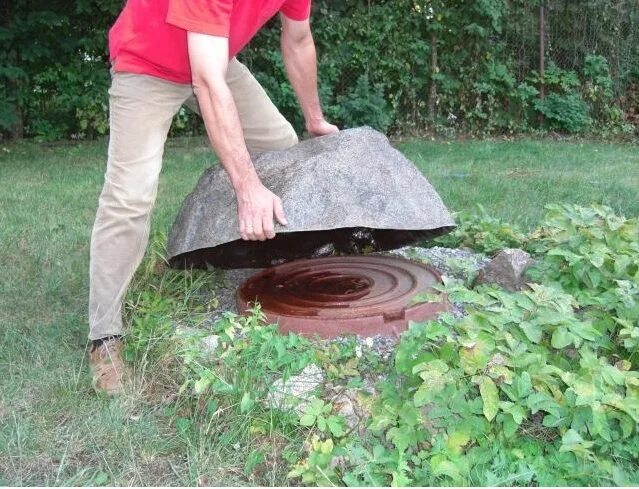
346	405
209	343
206	344
506	269
297	391
462	263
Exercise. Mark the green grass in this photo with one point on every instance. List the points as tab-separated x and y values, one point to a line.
54	430
514	180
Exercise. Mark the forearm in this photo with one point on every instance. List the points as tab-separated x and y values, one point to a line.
224	130
256	205
209	63
300	60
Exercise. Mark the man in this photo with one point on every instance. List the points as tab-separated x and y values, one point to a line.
166	53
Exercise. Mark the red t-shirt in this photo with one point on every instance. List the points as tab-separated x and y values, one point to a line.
149	36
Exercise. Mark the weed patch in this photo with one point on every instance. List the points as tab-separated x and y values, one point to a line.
533	387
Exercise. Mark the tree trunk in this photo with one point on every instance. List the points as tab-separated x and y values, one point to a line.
434	69
542	51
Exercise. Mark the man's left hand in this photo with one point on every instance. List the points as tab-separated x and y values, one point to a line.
321	128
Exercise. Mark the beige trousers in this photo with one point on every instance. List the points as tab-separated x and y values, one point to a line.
141	110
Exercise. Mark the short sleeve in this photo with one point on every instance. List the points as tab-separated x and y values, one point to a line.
212	17
296	9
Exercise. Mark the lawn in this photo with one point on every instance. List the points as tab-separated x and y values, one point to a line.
55	431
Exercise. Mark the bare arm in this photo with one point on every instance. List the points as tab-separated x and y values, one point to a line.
256	204
300	60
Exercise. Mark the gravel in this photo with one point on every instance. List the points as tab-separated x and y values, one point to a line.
461	263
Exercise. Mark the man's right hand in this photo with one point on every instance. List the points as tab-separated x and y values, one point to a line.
256	206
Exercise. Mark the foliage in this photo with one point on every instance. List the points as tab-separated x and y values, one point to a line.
594	255
365	105
43	305
482	232
538	387
401	66
54	69
598	83
523	389
564	113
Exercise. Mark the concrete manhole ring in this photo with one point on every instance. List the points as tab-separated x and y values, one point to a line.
363	295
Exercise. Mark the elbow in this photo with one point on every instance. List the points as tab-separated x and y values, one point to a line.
200	83
294	43
206	84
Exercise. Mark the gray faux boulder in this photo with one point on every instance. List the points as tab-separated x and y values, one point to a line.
506	269
350	192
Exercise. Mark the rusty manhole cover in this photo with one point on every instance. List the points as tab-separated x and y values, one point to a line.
364	295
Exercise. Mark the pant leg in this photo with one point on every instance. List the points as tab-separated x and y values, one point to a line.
263	126
141	110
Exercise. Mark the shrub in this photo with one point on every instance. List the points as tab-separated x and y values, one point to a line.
525	388
564	113
482	233
364	105
593	254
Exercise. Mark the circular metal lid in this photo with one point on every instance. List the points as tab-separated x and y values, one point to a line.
364	295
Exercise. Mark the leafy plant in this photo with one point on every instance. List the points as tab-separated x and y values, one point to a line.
364	105
318	413
567	113
593	254
537	387
482	233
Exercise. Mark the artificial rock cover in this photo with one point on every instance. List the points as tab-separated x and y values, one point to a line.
345	193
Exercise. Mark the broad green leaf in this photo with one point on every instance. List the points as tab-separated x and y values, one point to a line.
476	354
441	466
561	337
402	437
326	446
457	440
509	426
423	396
382	420
434	378
628	405
524	385
515	410
211	406
600	424
585	391
335	425
316	407
501	372
100	478
400	479
532	331
254	458
573	442
427	368
540	401
409	415
571	437
246	403
307	420
551	421
490	396
201	385
612	375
